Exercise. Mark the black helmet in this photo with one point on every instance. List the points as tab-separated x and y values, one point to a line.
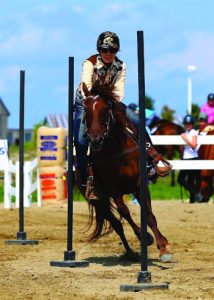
188	119
210	97
133	106
108	40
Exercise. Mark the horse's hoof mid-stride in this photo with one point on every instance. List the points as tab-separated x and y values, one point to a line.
166	257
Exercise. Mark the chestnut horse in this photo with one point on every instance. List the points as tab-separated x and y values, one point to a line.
114	156
206	176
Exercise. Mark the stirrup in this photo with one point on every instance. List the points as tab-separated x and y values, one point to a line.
163	171
157	158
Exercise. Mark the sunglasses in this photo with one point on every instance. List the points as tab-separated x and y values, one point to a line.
105	50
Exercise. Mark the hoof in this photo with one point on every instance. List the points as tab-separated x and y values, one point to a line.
167	257
165	254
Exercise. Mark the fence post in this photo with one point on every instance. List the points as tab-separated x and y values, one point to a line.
7	184
17	184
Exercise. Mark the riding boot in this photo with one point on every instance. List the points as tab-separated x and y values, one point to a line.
90	191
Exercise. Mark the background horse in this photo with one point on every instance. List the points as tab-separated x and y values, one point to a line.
115	163
206	176
165	127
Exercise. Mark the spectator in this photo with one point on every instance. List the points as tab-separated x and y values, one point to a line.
208	108
203	119
134	107
189	179
204	127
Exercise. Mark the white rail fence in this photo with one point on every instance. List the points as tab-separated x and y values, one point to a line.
182	164
11	183
32	183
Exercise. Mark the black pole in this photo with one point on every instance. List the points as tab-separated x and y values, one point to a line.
143	275
21	235
70	254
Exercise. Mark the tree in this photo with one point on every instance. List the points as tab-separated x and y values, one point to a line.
149	102
167	113
195	113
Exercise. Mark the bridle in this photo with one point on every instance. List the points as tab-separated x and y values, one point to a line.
107	124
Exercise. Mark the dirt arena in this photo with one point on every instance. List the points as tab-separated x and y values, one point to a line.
25	271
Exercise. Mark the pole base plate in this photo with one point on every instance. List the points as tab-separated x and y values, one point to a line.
21	242
69	264
142	286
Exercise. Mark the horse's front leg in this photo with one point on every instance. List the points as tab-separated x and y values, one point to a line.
124	212
161	241
118	228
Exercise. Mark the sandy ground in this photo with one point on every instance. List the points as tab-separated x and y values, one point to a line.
25	271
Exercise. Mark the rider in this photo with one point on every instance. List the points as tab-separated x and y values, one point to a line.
106	68
208	108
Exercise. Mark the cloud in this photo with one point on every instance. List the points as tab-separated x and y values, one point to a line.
198	50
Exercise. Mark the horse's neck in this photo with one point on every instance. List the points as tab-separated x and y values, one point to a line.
123	136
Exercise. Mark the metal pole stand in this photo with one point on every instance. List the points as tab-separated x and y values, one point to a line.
144	277
69	254
69	261
21	240
21	235
143	282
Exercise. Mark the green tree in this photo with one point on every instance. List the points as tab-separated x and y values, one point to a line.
167	113
195	113
35	129
149	102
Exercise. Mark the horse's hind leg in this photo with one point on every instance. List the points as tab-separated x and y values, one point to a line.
123	210
117	226
161	241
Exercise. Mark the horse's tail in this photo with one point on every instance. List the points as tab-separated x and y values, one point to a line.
99	211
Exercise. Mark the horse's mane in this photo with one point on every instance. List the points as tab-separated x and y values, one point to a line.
104	91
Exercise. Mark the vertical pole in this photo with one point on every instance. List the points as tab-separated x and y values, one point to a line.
70	254
21	234
143	276
189	95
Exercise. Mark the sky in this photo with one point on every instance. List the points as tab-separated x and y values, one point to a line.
38	36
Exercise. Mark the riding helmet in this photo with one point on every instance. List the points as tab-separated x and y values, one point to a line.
188	119
133	106
108	40
210	97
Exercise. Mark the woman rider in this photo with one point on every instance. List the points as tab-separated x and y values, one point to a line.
108	68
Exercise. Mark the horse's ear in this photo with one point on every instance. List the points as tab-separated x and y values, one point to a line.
85	89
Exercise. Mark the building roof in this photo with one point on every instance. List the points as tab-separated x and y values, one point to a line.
4	107
58	120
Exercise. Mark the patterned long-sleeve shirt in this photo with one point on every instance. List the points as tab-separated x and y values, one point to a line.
94	69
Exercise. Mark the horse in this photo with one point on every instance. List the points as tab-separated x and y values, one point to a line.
114	157
206	176
165	127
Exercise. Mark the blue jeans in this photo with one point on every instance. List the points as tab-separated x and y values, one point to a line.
81	141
